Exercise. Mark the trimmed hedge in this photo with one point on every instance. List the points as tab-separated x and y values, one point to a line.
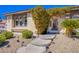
27	34
7	34
2	39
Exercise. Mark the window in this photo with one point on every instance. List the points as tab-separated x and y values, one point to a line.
21	21
75	16
25	22
17	23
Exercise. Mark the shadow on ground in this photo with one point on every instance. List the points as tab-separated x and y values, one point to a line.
4	44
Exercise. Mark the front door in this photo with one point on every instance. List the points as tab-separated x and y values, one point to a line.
55	24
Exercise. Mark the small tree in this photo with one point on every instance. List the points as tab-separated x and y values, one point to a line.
70	25
41	19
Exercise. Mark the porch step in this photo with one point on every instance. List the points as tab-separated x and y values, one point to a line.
53	32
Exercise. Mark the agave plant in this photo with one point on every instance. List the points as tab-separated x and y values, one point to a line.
70	25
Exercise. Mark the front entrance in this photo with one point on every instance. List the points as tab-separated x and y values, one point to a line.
53	29
55	24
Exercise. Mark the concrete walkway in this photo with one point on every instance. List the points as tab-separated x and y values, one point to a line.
63	44
37	45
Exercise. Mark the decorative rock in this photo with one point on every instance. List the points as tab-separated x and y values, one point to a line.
18	41
8	46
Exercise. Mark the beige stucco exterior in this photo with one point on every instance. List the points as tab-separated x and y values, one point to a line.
30	26
11	27
9	23
55	21
30	23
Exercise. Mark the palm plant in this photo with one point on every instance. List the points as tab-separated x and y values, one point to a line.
70	25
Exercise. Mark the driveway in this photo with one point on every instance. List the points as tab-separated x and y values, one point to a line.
63	44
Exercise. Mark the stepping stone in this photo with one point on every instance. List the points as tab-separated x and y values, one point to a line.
31	49
41	42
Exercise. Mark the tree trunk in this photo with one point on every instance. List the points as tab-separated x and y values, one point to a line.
69	32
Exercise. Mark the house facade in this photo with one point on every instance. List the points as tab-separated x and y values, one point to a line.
19	21
23	20
55	25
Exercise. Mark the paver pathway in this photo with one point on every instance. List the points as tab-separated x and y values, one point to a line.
64	44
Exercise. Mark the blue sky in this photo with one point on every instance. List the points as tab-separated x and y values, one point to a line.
13	8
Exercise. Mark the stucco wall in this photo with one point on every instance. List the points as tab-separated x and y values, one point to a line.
30	25
9	23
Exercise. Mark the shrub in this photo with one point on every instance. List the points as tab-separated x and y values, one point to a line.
27	34
70	25
77	33
7	34
2	39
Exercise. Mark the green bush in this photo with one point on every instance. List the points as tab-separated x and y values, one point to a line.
70	25
2	39
27	34
7	34
77	33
